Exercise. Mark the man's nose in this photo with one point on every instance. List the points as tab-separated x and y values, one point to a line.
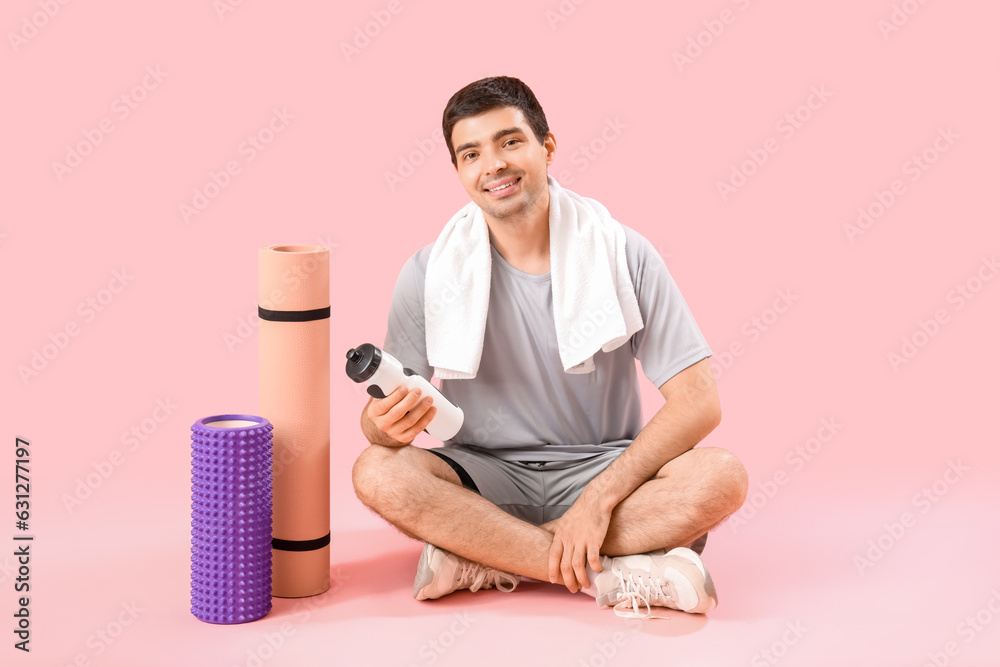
496	163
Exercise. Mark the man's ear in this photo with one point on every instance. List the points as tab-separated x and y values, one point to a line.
550	148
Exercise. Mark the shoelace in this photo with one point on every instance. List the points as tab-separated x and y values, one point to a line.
635	591
476	576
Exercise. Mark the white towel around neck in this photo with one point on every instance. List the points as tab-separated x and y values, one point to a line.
593	300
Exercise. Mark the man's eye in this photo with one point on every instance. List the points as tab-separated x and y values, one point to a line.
509	141
468	155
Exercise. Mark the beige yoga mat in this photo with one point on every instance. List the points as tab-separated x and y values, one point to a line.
294	310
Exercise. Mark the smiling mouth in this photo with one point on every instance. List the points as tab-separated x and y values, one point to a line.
503	187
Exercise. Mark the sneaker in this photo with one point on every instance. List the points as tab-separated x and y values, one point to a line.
675	580
440	572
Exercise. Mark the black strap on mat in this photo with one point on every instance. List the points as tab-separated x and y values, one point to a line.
300	545
293	315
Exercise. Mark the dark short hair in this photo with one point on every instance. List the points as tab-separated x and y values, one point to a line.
493	93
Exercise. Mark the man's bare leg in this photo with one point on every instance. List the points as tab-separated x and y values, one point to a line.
421	495
687	497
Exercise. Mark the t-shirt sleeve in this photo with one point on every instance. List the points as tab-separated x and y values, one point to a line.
670	339
404	337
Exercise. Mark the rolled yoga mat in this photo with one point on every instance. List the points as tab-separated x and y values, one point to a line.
230	518
294	311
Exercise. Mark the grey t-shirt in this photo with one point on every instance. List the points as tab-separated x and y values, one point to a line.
522	405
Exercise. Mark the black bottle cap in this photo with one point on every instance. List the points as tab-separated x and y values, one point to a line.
363	361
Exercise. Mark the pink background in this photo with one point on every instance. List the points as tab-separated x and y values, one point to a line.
792	559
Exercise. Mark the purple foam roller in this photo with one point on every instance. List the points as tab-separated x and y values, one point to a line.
231	518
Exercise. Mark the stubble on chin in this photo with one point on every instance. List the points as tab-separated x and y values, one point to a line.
504	212
511	210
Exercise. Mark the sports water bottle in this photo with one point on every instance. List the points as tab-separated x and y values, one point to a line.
382	374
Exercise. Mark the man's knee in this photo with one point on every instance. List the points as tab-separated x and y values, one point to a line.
386	478
371	473
728	474
379	490
718	468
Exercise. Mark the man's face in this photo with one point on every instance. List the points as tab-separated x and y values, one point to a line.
497	149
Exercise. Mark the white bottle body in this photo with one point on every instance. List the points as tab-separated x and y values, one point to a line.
449	417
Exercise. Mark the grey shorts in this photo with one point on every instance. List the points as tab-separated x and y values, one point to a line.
533	491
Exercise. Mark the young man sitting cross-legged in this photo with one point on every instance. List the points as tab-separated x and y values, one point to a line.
553	475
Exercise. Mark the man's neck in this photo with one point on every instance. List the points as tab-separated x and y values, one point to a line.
523	241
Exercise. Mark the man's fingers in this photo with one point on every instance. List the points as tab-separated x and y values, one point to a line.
594	556
398	411
569	579
380	406
555	555
415	413
425	419
580	567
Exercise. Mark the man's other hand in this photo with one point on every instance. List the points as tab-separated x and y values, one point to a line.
577	537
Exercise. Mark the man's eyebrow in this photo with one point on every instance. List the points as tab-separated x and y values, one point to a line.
496	136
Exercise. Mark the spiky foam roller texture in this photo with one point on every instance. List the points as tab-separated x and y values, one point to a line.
231	518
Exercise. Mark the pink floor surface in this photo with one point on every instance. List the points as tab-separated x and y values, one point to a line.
799	584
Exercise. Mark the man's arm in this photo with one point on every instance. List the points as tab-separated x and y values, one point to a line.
690	413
